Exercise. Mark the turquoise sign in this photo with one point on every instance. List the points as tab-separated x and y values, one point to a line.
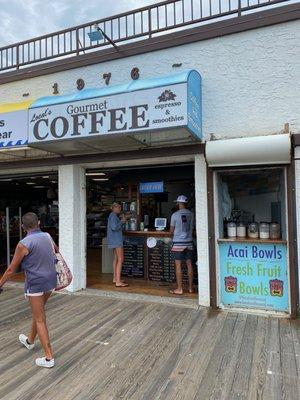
254	275
151	187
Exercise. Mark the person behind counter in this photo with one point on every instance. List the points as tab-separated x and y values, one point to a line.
115	242
182	226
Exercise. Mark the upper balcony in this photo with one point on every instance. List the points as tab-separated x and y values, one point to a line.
143	24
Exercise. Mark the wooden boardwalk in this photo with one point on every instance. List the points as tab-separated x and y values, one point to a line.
110	349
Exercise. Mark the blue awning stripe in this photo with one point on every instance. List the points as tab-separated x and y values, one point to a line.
131	86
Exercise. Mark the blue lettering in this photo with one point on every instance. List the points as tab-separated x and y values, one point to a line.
230	252
254	251
269	254
279	254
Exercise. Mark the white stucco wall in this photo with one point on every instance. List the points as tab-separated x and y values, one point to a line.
249	79
202	230
72	222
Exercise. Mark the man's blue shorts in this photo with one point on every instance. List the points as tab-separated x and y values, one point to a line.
183	255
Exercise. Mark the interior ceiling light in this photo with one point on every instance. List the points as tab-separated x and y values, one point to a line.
6	180
101	179
30	183
45	177
53	181
95	174
39	187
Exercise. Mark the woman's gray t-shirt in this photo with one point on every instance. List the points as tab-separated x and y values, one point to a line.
39	264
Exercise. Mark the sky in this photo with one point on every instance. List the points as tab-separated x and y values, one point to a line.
25	19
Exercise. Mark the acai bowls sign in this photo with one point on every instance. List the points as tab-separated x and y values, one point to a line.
254	276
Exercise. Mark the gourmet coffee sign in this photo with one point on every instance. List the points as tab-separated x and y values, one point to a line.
130	112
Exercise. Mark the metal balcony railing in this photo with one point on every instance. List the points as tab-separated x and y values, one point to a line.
142	23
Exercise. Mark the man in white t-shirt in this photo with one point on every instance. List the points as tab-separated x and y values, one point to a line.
182	227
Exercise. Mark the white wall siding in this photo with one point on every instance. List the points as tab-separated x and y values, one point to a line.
72	222
249	79
202	230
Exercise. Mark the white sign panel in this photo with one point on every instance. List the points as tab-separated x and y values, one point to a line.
151	109
13	128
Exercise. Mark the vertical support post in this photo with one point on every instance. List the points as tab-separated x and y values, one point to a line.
139	204
77	42
293	191
17	57
20	222
239	8
72	222
150	22
7	236
202	230
212	239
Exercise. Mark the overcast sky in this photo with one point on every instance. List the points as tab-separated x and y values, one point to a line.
24	19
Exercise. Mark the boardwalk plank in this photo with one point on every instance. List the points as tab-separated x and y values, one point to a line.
218	359
201	353
107	349
239	389
258	373
273	384
290	379
69	344
136	354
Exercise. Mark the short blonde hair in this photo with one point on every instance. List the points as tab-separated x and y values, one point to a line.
115	204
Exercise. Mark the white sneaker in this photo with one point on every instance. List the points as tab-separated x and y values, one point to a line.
42	362
23	340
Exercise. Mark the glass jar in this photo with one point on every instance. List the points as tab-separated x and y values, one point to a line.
133	224
274	231
264	230
241	230
231	229
133	206
253	230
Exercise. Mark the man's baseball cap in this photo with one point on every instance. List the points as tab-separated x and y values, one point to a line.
181	199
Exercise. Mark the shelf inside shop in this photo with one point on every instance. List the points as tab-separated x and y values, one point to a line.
250	240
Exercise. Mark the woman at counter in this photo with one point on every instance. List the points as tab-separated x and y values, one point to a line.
115	242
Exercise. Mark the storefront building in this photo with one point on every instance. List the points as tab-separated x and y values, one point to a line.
213	116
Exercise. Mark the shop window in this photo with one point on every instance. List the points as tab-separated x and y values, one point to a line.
250	201
252	244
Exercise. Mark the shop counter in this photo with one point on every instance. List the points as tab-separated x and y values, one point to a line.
148	233
253	274
156	263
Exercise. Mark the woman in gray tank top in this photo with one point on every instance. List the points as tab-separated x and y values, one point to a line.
36	256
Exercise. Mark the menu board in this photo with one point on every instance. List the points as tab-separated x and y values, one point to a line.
134	257
156	262
161	265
